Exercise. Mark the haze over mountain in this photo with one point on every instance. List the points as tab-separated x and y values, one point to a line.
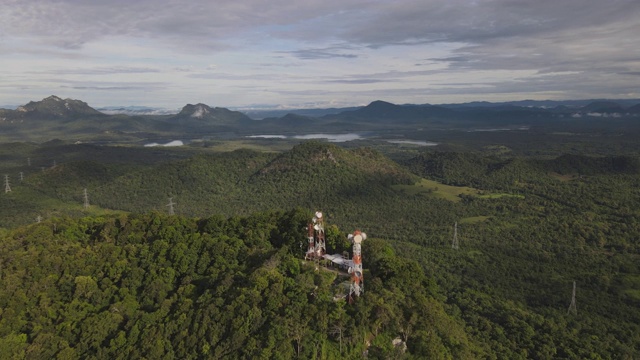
158	206
204	114
535	198
52	106
67	118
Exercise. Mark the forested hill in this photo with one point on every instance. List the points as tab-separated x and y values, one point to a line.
493	172
527	228
169	287
312	174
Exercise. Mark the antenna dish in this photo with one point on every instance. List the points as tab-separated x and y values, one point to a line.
364	236
319	215
357	239
317	227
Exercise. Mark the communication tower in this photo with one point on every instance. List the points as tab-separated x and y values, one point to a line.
315	235
357	285
21	176
7	187
318	226
311	250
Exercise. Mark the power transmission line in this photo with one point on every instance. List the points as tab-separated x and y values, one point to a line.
170	205
86	199
7	187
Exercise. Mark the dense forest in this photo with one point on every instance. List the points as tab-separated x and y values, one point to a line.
156	286
225	278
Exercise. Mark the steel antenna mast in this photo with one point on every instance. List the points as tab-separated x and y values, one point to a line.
357	280
315	236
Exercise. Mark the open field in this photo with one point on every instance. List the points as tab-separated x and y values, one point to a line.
448	192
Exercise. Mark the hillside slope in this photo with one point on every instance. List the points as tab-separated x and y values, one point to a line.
173	288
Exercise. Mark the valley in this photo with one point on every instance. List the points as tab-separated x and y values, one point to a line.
114	275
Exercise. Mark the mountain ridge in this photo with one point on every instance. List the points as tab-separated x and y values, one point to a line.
54	117
55	106
203	113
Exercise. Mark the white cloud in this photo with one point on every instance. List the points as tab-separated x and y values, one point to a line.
404	51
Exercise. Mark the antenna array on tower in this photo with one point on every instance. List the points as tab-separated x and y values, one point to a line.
315	235
357	279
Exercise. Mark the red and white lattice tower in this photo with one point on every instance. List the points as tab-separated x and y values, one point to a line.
318	226
311	250
315	235
357	284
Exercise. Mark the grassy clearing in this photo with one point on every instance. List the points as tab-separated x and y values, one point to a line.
498	196
634	294
563	178
630	286
256	145
448	192
435	188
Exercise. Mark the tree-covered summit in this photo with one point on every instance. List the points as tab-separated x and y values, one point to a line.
154	286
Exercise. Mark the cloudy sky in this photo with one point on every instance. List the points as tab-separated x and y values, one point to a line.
317	53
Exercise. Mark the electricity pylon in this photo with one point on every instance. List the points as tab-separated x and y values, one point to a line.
170	205
86	199
455	244
7	187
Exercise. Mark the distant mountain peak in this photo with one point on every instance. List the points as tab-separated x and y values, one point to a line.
57	106
380	105
382	111
206	113
53	98
197	111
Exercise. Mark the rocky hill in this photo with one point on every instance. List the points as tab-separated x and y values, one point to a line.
201	114
54	106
